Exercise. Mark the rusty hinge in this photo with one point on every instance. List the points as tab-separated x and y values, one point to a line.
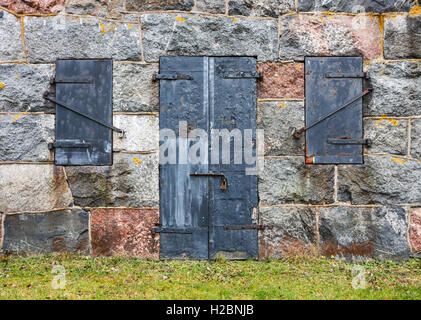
297	133
171	76
245	227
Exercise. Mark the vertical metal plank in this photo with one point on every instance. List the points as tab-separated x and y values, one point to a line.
184	199
94	99
232	106
324	95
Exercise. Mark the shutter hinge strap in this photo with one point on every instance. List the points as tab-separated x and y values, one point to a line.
62	104
242	74
299	132
69	144
347	75
245	227
347	141
171	76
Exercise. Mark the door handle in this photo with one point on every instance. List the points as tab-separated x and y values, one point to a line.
224	182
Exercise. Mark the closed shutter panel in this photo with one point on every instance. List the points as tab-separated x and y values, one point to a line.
332	82
86	87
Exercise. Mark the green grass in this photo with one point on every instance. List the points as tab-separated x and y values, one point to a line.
128	278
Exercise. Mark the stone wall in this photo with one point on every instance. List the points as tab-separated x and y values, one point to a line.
353	212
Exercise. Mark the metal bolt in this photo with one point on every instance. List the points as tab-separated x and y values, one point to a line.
121	134
1	14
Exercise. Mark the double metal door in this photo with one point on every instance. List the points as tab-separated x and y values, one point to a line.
206	206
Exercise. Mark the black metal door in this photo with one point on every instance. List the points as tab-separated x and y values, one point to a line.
333	109
233	106
84	135
206	209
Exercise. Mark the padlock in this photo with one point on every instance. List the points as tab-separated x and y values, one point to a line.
223	183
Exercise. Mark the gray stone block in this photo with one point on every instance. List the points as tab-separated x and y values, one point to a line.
33	187
150	5
355	6
100	8
172	34
402	36
44	232
24	85
133	88
92	7
382	179
126	183
141	133
416	138
59	37
24	137
354	233
388	135
289	180
278	119
288	231
396	89
212	6
336	35
11	47
262	8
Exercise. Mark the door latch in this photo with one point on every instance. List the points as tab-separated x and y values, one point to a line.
224	182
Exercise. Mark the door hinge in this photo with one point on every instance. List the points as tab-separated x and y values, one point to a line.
87	80
171	76
347	141
242	74
175	230
69	144
62	104
245	227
